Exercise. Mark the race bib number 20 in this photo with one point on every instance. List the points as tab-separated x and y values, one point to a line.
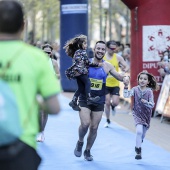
96	84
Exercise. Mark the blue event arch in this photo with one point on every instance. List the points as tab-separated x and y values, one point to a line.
73	21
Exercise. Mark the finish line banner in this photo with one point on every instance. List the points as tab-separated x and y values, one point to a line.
74	9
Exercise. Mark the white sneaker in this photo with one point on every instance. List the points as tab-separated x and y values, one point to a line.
41	137
106	125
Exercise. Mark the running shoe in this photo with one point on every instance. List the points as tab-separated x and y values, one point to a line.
74	105
107	124
113	110
87	155
78	149
92	100
41	137
138	153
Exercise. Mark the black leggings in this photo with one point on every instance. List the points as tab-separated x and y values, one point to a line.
84	85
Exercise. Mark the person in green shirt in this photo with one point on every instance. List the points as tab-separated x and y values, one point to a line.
27	78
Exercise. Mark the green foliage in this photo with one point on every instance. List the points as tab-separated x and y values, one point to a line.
116	10
43	16
40	12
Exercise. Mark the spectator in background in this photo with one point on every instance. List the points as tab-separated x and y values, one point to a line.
127	45
55	53
167	68
47	48
120	48
164	64
38	44
31	65
166	56
161	55
126	56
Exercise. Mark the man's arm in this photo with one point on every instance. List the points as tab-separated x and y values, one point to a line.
114	73
50	105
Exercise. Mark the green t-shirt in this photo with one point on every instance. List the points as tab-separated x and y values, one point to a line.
28	75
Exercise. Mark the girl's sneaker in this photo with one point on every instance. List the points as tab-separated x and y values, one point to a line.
138	153
74	105
92	100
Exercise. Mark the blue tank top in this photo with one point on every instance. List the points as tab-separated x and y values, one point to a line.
97	77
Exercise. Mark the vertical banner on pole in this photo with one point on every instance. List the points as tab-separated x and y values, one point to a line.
73	21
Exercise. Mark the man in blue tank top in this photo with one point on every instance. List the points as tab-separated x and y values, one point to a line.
90	115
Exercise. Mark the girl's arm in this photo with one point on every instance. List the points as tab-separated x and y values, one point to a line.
149	103
128	93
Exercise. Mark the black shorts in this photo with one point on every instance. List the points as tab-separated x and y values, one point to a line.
95	108
112	90
23	157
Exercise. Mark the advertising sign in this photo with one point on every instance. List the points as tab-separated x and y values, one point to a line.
163	97
156	39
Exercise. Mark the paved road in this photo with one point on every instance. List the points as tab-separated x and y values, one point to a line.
159	133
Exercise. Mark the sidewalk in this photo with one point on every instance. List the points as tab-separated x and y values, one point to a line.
159	133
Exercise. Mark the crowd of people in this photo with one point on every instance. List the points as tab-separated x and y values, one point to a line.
164	64
98	78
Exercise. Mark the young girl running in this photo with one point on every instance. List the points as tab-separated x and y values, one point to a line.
76	49
143	104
